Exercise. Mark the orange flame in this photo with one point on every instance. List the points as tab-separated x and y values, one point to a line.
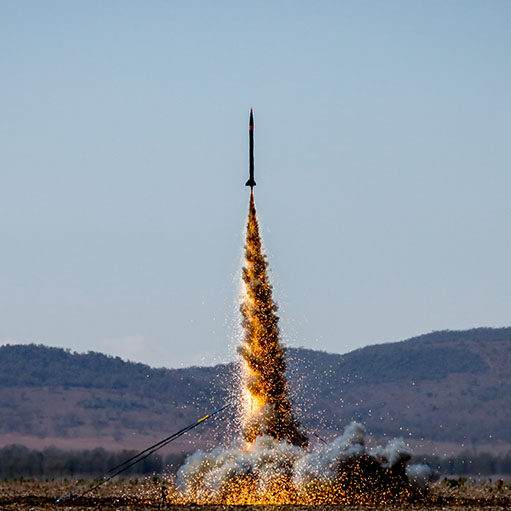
266	405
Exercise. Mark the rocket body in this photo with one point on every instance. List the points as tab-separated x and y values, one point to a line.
251	182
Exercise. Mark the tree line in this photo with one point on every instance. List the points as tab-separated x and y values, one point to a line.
20	461
469	464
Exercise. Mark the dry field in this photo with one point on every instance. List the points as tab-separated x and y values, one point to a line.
146	494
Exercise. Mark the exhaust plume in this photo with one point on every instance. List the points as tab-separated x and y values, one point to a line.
272	462
266	405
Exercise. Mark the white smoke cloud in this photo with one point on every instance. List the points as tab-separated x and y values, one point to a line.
421	475
205	475
320	464
396	451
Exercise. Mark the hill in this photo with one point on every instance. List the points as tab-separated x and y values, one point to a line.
447	388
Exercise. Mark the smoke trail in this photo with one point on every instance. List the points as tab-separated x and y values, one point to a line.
266	405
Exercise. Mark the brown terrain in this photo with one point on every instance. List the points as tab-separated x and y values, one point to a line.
134	495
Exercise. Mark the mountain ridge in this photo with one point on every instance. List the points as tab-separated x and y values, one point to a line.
448	387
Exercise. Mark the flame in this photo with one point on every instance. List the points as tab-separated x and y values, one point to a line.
267	408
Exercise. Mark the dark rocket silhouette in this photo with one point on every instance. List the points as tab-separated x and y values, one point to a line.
251	182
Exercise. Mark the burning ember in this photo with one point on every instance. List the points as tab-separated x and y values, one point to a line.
266	406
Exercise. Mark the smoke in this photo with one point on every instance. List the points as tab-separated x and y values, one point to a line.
272	462
322	464
271	471
421	475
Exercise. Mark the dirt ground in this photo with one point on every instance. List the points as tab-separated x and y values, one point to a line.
137	495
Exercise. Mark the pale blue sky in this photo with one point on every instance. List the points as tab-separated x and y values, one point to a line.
382	163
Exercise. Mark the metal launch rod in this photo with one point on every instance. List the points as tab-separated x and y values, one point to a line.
118	469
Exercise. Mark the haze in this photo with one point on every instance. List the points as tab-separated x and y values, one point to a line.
381	160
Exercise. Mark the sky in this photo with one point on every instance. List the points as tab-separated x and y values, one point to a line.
381	155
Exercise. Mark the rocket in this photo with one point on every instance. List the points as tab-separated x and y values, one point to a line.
251	182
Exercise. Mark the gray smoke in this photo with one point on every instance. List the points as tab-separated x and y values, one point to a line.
421	475
320	464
